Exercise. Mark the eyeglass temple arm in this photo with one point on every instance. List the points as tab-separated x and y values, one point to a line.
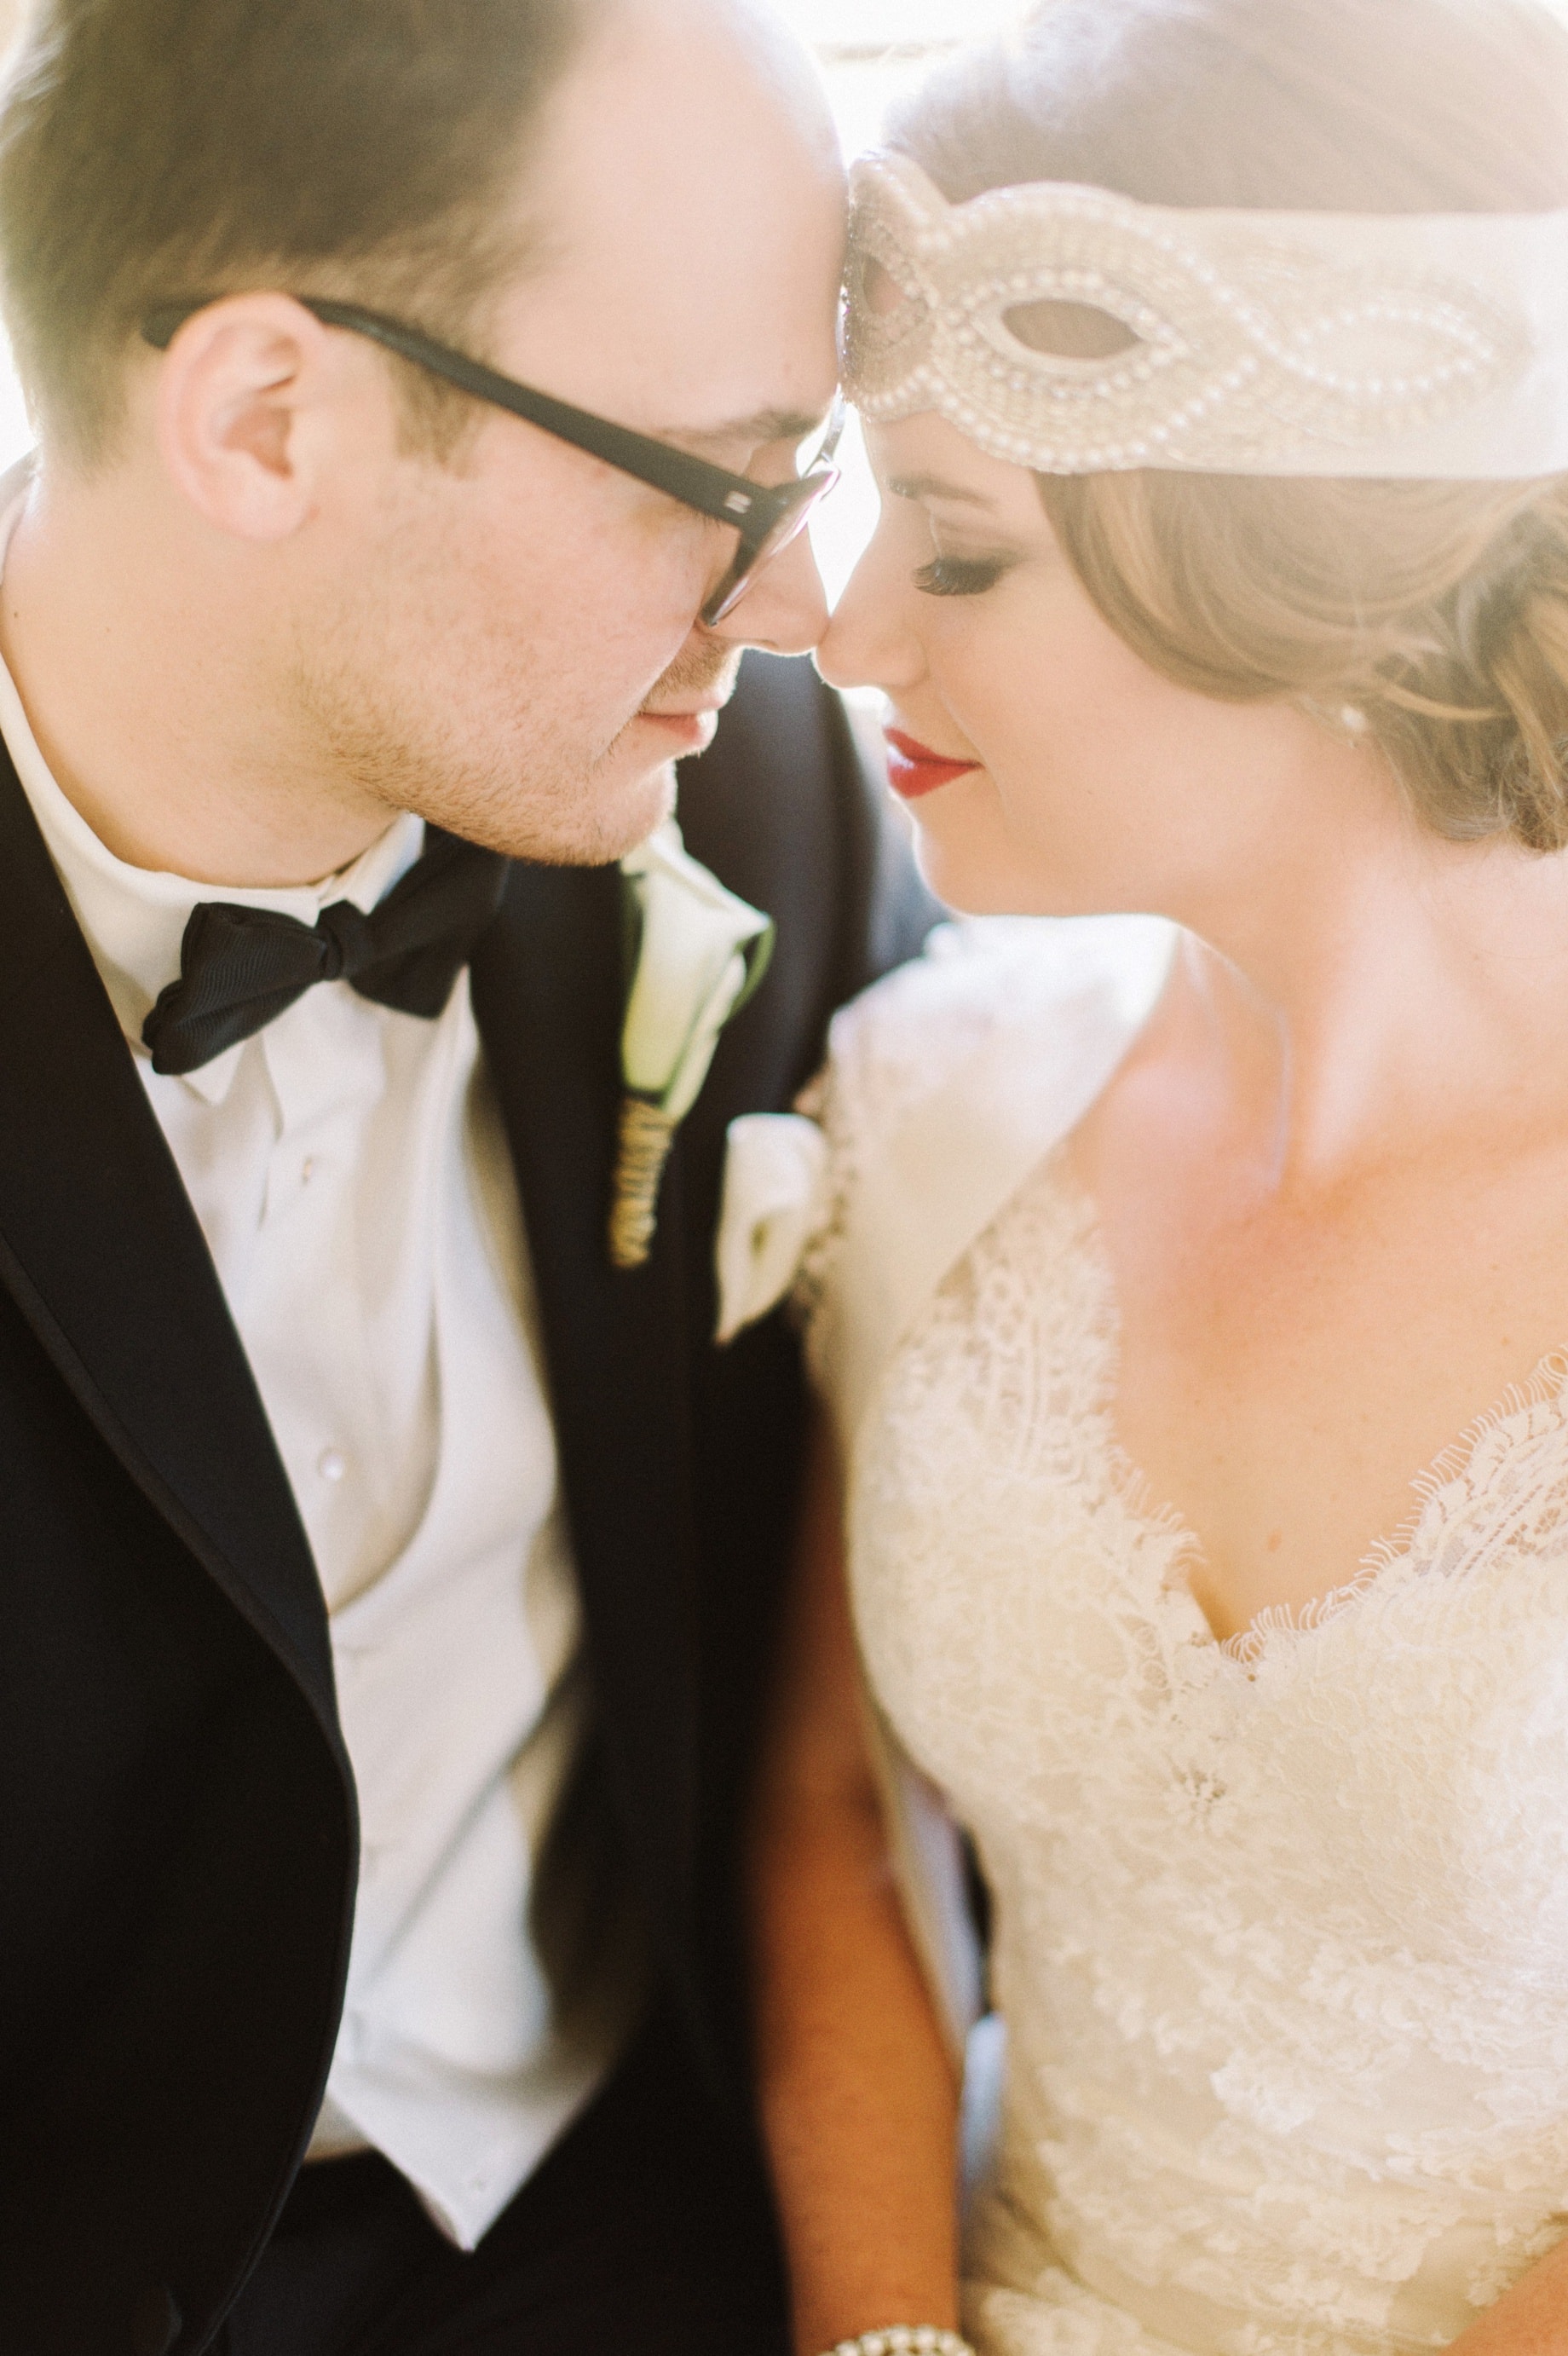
711	491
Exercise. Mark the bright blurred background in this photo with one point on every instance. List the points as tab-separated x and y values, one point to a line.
870	52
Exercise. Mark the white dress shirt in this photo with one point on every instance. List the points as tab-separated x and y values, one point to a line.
350	1175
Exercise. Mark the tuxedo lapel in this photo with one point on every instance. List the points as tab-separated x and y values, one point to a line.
104	1258
547	994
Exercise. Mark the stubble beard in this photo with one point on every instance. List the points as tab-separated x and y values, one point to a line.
530	794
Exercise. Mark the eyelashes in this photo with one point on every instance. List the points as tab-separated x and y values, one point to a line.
960	576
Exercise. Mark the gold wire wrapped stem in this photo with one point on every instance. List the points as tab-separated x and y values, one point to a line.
646	1135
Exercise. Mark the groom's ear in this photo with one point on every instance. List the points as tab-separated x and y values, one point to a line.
250	399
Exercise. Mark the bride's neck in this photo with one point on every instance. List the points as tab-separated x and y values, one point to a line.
1372	996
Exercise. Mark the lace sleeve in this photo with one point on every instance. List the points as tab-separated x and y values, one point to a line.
790	1178
945	1083
883	1050
822	1101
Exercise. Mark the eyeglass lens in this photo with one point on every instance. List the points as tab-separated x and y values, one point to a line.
750	559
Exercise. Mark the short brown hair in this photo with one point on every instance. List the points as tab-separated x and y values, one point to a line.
1438	611
154	148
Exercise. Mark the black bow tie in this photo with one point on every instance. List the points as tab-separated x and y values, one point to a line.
240	967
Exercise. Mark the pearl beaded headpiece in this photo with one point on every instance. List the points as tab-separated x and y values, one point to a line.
1417	346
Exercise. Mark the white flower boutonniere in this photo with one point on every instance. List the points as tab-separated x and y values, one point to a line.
696	954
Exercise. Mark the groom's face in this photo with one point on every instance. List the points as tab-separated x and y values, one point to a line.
510	642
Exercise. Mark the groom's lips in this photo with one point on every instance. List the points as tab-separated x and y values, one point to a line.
688	732
914	769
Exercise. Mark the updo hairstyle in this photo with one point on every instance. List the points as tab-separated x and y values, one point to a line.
1432	615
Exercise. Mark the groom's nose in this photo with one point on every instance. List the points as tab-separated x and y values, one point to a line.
784	611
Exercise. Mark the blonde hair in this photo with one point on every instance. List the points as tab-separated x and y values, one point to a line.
1430	617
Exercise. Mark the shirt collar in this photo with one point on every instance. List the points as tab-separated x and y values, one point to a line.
134	918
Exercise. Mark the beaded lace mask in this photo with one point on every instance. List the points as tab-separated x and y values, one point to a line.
1425	346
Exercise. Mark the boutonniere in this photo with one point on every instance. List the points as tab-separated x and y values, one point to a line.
694	953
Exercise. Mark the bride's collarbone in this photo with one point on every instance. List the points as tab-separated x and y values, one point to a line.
1288	1380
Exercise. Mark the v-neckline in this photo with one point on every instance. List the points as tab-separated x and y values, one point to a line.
1449	1470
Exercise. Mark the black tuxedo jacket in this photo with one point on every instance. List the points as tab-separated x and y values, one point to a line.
178	1833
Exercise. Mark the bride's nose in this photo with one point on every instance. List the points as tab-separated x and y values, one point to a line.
869	641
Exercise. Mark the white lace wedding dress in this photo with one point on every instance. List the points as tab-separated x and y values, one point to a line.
1281	1926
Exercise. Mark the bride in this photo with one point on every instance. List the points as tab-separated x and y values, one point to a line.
1221	599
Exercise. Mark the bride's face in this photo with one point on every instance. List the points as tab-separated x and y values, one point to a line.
1086	783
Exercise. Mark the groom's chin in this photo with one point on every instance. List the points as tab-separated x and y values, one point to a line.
629	797
588	819
647	804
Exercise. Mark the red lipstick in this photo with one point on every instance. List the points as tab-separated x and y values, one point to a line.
914	769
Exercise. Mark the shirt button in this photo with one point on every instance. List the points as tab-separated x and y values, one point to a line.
307	1169
331	1464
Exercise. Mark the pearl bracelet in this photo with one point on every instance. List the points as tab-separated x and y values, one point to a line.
904	2339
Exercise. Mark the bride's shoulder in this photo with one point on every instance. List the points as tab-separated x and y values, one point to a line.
1027	985
943	1084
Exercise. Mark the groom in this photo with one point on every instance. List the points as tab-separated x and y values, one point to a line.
385	1575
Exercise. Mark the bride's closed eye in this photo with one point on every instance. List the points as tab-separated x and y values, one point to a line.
962	577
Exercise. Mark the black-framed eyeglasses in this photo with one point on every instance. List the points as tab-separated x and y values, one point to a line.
767	516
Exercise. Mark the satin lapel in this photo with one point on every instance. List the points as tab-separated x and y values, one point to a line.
101	1251
548	992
